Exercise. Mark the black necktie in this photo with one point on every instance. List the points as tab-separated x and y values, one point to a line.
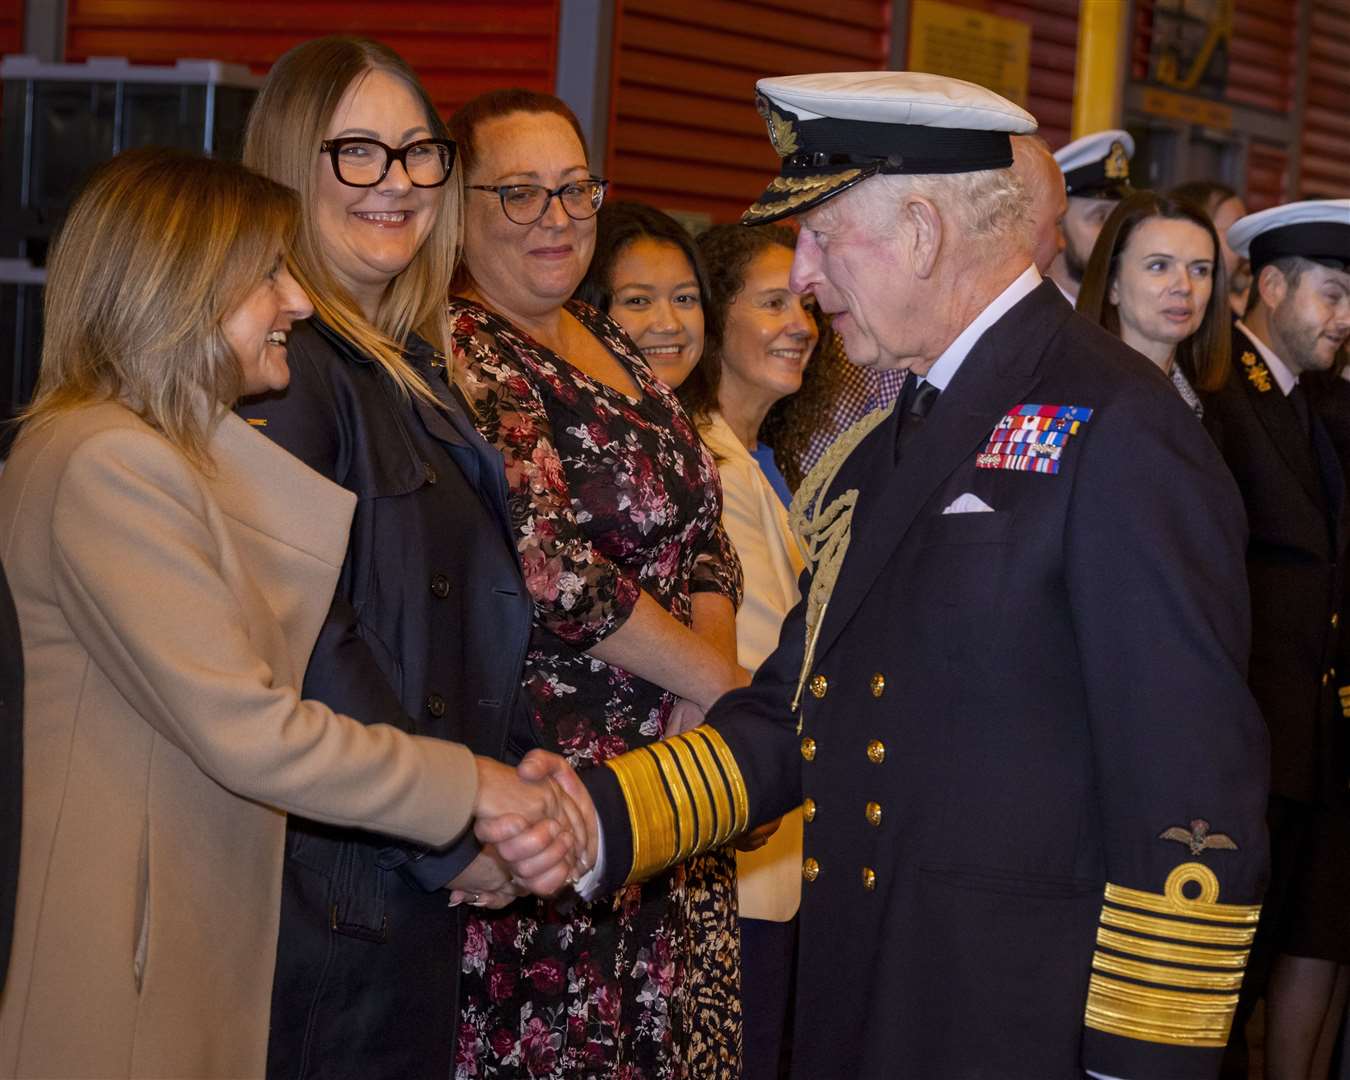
913	407
1298	398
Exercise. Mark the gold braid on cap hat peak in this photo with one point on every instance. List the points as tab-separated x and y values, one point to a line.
824	533
799	189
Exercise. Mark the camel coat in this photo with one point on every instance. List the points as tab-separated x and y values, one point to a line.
167	616
769	880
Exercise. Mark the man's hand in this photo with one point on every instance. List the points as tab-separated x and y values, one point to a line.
486	882
532	822
539	765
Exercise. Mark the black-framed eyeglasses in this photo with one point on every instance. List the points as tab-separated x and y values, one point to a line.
361	162
527	203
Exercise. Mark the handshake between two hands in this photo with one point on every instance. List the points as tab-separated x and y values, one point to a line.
538	828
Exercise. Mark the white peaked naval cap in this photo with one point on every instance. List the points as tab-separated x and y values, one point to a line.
836	129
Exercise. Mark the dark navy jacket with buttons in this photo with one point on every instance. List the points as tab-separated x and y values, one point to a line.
427	632
1294	491
1035	837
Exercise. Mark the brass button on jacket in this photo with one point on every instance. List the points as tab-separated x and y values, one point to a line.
869	878
440	586
878	684
809	748
810	869
873	812
876	751
819	684
809	809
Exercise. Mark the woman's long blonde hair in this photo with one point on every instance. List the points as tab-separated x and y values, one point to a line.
285	128
159	247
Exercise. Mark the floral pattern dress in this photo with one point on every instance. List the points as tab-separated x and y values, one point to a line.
609	495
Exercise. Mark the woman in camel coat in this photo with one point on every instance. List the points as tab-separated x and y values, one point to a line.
171	569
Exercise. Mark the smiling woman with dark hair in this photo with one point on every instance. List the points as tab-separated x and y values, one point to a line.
647	275
616	515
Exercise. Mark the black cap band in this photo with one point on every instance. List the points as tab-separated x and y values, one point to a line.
1325	242
829	144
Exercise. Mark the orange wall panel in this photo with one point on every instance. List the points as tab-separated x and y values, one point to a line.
458	49
1325	166
684	133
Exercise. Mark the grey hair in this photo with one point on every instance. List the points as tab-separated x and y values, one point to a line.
991	205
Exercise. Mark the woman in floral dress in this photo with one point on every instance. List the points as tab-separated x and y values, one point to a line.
616	508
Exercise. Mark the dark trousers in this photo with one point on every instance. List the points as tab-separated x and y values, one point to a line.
768	977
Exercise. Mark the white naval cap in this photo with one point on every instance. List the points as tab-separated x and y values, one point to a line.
836	129
1316	229
1097	166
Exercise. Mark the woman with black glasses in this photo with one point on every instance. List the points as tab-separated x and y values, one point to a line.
431	619
615	511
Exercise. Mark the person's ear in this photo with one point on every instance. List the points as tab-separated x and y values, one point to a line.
1272	285
924	233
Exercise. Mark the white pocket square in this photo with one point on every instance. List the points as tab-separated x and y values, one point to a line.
969	504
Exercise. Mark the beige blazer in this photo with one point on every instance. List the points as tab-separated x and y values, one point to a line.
770	879
167	617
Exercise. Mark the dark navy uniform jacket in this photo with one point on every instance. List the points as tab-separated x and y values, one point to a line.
428	633
1294	491
1035	777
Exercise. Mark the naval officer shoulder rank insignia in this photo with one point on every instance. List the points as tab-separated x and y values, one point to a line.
1032	438
1257	372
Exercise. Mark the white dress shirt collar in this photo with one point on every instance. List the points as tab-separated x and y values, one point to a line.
1286	378
946	365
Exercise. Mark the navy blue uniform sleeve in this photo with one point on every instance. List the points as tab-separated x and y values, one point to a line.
661	804
1155	571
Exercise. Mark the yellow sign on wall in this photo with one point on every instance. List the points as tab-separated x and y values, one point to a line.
986	49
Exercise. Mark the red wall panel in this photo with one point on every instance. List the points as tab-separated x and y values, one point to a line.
458	50
1054	52
11	26
1325	167
684	133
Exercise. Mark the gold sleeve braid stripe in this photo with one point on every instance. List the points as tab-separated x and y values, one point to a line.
685	795
1166	976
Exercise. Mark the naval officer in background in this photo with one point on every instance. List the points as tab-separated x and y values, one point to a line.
1285	464
1013	702
1096	177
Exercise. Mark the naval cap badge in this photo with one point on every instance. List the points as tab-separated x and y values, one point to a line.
782	133
1117	163
1198	837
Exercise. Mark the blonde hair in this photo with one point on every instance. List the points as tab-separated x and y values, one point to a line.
157	250
285	128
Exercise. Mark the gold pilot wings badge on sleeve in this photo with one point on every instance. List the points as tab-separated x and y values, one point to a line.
1168	966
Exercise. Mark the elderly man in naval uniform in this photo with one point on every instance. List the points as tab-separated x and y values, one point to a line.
1013	701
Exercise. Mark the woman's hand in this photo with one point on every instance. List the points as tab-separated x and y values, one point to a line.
684	716
538	830
756	838
486	882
